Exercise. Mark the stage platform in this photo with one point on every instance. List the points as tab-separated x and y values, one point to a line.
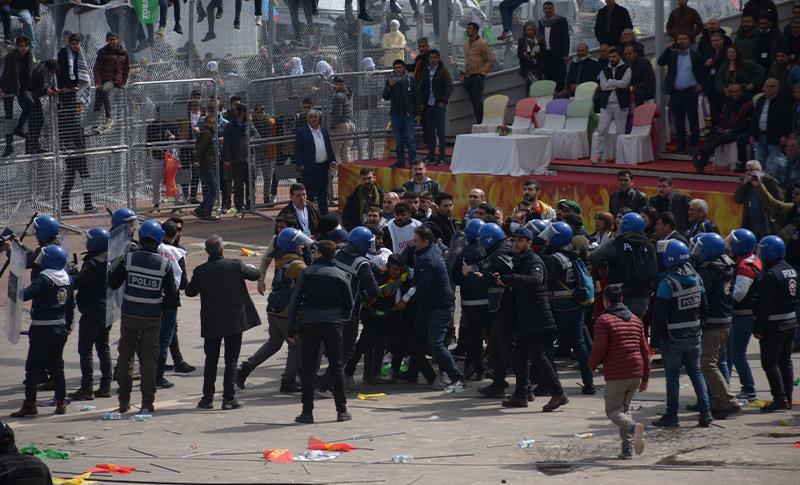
579	180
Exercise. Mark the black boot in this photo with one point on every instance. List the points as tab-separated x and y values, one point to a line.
85	393
242	372
104	390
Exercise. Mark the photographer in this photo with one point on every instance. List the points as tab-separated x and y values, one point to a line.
756	217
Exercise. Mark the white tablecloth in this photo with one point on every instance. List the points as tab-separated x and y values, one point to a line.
492	154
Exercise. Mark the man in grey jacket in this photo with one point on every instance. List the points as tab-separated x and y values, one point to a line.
323	294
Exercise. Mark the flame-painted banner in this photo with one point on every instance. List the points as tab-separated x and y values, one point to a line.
591	191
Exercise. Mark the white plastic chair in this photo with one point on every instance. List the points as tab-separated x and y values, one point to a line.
726	155
637	147
524	112
494	113
543	90
572	142
555	117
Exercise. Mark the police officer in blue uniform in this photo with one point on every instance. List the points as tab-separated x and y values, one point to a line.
90	285
567	310
474	300
499	261
351	259
776	321
122	216
676	330
716	270
148	282
51	322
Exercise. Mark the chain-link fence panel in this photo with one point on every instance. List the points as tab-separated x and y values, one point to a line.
165	118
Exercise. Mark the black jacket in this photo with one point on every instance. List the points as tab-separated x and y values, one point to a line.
779	120
559	40
234	146
321	295
669	58
675	202
404	96
528	282
446	227
431	280
442	86
643	80
225	304
609	24
633	200
352	214
313	215
587	69
706	51
90	284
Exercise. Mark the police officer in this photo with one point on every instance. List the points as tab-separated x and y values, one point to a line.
535	325
148	282
716	270
323	293
90	285
562	285
16	468
742	244
352	259
631	261
676	331
474	300
776	321
46	229
289	264
125	216
51	322
499	261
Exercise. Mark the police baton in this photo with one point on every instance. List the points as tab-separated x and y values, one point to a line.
24	232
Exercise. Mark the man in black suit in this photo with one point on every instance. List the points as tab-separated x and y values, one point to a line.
643	80
226	311
611	20
313	154
667	200
555	30
684	81
300	208
769	131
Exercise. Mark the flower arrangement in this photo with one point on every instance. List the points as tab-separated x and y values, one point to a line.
503	130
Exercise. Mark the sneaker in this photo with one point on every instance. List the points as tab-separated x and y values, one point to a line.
231	404
323	394
205	404
160	31
589	390
209	36
241	375
504	36
304	419
746	396
184	368
555	403
705	420
237	25
219	14
638	438
108	123
164	384
775	406
441	381
177	29
196	212
455	387
626	453
666	422
343	416
408	377
515	402
147	409
492	391
258	20
290	387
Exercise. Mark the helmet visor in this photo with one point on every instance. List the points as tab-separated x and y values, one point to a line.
302	240
731	240
547	233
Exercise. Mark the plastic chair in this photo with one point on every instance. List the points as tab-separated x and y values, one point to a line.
524	112
494	113
572	142
637	147
544	91
585	90
555	117
726	155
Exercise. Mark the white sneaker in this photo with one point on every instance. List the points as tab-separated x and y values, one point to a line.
258	20
638	438
455	387
441	382
160	32
108	124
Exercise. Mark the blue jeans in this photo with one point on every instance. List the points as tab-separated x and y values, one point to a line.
403	127
570	332
209	190
438	323
164	10
169	320
686	353
6	12
507	8
739	338
765	152
434	128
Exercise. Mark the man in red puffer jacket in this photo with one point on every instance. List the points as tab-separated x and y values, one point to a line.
111	70
620	345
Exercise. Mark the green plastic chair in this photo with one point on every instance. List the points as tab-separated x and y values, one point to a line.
585	90
542	89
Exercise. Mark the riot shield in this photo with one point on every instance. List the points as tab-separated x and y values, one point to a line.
19	220
117	249
16	286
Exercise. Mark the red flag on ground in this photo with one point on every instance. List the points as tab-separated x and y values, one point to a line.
171	167
315	443
278	455
112	469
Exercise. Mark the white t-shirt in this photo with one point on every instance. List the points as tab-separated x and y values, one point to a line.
402	237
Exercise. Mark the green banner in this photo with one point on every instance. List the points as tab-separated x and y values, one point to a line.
147	11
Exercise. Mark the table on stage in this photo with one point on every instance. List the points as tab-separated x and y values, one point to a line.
489	153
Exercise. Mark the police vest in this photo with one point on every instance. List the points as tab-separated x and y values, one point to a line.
720	300
49	306
281	292
684	315
473	292
143	293
562	280
402	237
782	312
351	265
746	306
501	261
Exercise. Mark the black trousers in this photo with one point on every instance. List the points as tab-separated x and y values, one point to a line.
683	103
531	346
374	336
241	186
776	360
474	86
211	346
502	345
93	332
45	352
175	348
75	166
719	139
348	346
312	336
475	319
555	70
417	348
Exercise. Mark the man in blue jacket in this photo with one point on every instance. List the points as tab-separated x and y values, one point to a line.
314	157
685	76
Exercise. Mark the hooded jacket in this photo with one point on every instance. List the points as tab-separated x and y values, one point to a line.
620	345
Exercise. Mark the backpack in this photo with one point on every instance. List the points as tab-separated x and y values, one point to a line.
639	271
584	283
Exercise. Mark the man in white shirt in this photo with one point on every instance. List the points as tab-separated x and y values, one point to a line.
399	233
614	100
314	157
